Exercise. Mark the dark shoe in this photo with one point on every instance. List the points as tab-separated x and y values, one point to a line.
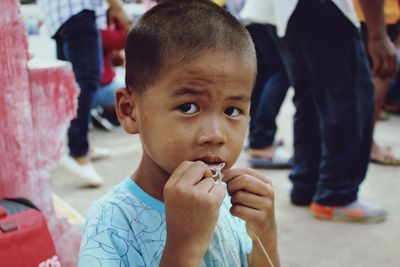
99	121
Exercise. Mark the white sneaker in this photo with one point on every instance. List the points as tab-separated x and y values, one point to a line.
86	173
96	153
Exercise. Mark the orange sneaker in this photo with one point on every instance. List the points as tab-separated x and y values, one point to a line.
356	212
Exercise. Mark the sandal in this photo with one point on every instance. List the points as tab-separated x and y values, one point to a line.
384	156
280	160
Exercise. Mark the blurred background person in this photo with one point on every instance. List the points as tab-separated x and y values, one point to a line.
74	25
334	98
380	154
113	41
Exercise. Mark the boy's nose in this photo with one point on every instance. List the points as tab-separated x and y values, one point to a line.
212	133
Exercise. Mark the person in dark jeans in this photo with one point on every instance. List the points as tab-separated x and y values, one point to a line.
86	60
334	99
74	24
268	94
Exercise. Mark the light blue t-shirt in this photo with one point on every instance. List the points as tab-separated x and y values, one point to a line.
127	227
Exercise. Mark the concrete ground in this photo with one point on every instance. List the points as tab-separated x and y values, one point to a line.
303	240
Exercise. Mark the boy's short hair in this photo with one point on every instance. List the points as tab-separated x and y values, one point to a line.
177	30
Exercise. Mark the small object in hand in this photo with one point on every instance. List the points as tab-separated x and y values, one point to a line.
217	172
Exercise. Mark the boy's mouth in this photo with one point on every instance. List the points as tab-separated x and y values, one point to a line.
215	166
213	162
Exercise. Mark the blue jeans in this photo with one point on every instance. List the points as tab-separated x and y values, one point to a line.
269	90
334	100
78	41
105	95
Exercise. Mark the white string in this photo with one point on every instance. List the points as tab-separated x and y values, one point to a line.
218	173
265	251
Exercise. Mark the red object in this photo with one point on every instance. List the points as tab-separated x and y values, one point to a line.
24	237
113	39
37	101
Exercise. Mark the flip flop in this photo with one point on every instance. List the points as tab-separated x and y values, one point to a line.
386	161
280	160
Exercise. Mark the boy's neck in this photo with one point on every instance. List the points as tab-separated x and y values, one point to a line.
150	180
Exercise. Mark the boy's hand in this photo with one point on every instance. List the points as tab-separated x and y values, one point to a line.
192	201
252	198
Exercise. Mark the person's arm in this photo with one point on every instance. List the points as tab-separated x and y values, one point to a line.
381	49
253	201
117	9
192	202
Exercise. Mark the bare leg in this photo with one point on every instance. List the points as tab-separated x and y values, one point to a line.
381	154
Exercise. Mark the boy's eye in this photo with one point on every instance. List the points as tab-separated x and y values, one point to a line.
189	108
232	112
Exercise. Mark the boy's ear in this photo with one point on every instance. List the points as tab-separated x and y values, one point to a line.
126	112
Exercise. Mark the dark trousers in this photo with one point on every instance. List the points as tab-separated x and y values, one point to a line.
334	100
78	41
269	90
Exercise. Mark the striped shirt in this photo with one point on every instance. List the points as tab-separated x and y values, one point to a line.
57	12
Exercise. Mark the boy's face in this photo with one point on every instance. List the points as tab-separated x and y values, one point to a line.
197	110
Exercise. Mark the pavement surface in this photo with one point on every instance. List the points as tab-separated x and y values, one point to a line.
303	240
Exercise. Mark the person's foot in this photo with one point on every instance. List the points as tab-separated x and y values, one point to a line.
97	153
82	169
273	157
383	156
393	108
355	212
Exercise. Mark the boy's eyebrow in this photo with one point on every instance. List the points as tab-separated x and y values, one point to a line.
188	91
243	98
191	91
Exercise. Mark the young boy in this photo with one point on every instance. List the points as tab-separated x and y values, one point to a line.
190	69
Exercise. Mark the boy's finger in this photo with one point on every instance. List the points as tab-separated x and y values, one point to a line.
250	200
218	192
249	183
244	213
232	173
195	173
206	184
179	171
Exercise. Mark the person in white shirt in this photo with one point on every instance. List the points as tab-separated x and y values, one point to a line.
72	24
334	98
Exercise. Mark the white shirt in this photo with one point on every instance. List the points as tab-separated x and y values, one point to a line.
57	12
278	12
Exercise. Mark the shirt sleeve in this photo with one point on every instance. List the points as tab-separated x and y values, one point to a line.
108	241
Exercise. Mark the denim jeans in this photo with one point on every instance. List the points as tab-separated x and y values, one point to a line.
105	95
334	100
78	41
269	90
